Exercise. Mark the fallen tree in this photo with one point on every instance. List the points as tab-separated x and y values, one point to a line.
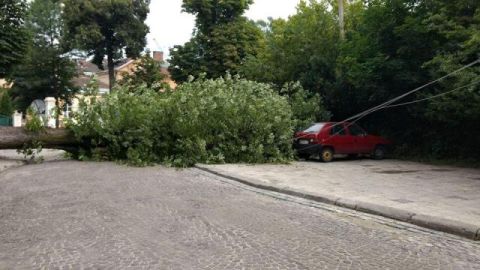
15	138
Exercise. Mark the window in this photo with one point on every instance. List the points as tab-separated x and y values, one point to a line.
355	130
314	129
338	129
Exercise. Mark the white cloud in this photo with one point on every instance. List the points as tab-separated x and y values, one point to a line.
169	26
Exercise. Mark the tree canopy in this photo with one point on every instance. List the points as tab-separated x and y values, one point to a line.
13	35
107	28
222	39
211	13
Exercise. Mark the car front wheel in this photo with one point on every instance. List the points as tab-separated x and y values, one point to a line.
326	155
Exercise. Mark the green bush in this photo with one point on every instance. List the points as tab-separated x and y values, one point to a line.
209	121
307	108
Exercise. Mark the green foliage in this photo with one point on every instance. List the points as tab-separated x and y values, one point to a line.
307	108
46	70
211	13
107	28
31	152
222	40
148	72
304	49
6	104
13	35
32	149
34	123
210	121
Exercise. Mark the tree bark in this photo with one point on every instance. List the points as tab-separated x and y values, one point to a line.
111	68
15	138
341	19
57	112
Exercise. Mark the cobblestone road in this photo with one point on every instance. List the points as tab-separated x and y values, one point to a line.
71	215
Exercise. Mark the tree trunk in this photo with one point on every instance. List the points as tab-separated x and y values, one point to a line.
57	113
15	138
341	19
111	68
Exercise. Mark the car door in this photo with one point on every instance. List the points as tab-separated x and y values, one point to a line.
360	139
340	139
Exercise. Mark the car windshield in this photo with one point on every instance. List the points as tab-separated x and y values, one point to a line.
314	129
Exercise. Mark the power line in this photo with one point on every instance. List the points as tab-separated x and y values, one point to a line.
433	97
378	107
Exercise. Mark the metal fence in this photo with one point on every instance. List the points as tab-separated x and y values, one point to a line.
5	121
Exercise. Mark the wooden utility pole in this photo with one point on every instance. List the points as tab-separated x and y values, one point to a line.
341	18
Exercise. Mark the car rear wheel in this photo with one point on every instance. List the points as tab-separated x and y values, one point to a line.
326	155
379	152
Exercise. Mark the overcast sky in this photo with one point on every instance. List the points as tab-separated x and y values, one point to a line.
169	26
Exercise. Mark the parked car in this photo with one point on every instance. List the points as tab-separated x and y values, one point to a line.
332	138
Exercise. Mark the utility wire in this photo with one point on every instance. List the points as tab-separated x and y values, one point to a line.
432	97
378	107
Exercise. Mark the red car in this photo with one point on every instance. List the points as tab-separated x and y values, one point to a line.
329	139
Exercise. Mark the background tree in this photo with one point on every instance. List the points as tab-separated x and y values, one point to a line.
222	40
47	70
148	72
107	28
13	35
304	48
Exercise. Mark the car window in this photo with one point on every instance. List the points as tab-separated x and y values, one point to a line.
338	129
355	130
314	129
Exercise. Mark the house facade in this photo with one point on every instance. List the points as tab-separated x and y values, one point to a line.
87	70
4	84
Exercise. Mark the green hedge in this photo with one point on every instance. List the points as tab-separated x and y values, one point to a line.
209	121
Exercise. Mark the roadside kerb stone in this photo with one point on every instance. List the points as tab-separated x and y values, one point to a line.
325	198
439	224
446	225
385	211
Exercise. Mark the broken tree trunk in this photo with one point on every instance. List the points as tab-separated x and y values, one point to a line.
15	138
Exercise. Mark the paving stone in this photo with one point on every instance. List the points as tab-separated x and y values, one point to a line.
72	215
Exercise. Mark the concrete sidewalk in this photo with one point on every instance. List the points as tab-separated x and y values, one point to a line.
435	197
7	164
11	159
47	154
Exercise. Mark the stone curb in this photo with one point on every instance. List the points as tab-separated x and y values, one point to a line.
469	231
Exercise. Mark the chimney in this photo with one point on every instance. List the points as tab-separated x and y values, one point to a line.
158	56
